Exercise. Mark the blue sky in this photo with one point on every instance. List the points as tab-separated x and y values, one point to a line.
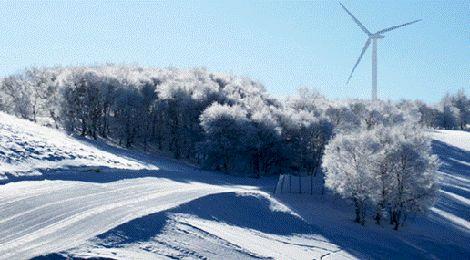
283	45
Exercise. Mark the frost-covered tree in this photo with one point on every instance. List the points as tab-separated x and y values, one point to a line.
127	116
449	113
342	117
429	116
43	92
350	163
352	115
81	104
378	113
31	94
387	167
411	172
227	130
462	104
17	94
304	136
306	99
266	148
107	94
409	112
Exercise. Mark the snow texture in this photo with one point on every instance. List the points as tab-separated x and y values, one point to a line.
27	149
138	206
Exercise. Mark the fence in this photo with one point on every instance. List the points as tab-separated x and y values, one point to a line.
288	183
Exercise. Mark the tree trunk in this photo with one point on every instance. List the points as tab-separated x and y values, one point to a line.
358	211
379	212
396	215
378	216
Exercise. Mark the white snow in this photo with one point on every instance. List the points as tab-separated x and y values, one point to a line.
70	212
455	138
138	206
452	218
453	205
27	148
51	216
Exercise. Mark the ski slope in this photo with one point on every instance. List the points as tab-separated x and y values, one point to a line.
42	217
114	203
27	148
64	195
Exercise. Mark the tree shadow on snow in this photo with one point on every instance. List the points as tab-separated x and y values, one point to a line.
419	238
453	158
335	222
455	166
455	180
242	210
83	174
107	175
246	211
56	256
255	212
168	168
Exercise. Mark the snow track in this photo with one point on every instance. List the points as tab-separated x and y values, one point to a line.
65	217
69	214
196	230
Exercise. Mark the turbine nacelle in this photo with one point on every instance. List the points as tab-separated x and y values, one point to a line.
376	36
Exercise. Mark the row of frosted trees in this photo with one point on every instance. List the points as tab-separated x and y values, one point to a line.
374	153
220	121
452	112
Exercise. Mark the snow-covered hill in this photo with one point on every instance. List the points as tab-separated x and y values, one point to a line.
27	149
139	206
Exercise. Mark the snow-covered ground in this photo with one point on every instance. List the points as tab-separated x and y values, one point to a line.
27	148
455	138
138	206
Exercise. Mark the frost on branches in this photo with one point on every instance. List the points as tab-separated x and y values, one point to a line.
390	168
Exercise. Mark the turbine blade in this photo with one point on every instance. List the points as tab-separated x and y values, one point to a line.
396	26
366	45
356	20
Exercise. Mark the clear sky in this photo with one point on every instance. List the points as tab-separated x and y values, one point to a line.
283	45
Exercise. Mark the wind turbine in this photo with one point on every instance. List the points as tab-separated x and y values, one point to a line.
372	37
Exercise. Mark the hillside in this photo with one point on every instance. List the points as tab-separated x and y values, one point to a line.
67	197
26	149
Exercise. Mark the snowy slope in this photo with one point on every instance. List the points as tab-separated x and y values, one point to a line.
455	138
142	206
150	207
142	217
27	148
209	227
453	149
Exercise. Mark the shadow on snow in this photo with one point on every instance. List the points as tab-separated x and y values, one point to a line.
254	212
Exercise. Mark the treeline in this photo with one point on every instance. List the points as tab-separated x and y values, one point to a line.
451	113
374	153
219	121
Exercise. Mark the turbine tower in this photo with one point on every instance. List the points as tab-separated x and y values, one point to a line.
372	37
